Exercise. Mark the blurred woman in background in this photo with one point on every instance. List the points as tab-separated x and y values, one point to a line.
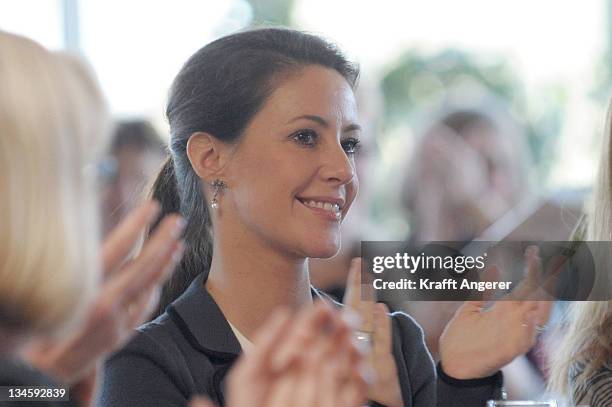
469	168
136	152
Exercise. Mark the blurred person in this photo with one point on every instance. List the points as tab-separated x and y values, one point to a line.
263	130
64	303
581	367
136	153
469	169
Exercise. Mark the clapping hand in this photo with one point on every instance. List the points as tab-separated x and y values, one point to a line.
301	360
376	326
126	297
479	341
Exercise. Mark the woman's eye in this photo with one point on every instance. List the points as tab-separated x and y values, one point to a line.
350	145
306	137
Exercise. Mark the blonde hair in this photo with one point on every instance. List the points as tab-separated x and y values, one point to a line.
586	345
52	118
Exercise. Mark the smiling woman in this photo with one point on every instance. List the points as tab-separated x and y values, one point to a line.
264	128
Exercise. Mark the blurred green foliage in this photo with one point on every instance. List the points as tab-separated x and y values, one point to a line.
277	12
602	89
418	82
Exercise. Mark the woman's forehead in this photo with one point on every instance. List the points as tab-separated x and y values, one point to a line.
314	91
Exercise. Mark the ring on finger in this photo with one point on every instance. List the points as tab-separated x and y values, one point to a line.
363	340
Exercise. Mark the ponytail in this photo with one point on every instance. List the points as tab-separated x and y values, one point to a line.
197	236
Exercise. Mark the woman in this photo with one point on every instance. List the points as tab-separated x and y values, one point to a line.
263	132
582	366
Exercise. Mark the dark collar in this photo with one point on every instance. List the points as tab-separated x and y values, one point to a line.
202	322
200	319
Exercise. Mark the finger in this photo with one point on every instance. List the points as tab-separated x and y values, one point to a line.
532	270
266	340
549	287
159	252
309	323
351	396
359	297
348	355
366	307
530	327
382	330
139	278
140	311
337	371
328	384
282	392
491	274
308	384
123	238
352	295
542	313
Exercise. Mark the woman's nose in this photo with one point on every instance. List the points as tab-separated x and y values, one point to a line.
338	166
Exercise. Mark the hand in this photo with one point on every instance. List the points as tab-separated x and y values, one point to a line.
453	166
125	300
478	342
385	387
306	360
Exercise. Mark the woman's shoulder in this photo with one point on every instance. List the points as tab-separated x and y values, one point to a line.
154	353
596	390
156	339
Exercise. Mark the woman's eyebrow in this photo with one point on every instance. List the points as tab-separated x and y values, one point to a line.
324	123
351	127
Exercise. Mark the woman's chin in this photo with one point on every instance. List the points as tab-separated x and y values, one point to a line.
323	251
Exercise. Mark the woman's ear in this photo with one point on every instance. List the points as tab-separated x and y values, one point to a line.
206	155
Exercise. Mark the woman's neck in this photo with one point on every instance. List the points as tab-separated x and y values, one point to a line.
249	279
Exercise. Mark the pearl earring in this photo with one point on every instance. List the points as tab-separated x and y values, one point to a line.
218	185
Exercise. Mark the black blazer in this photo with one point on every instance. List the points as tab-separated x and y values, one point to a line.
189	349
